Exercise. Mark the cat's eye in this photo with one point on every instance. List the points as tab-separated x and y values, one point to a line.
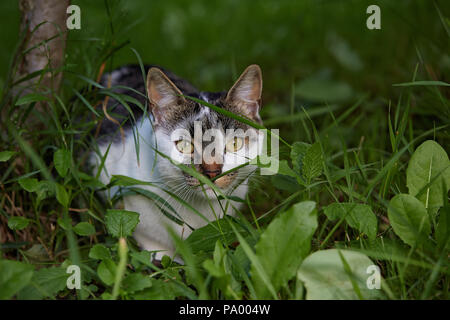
184	146
234	144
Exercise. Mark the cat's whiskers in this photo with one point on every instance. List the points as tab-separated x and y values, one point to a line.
177	190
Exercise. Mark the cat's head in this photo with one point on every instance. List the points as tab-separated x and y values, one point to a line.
196	135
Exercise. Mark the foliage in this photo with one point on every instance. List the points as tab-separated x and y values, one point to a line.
364	169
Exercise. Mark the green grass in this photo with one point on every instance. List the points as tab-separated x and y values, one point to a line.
354	107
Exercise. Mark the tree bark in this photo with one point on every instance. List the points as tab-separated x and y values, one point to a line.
44	25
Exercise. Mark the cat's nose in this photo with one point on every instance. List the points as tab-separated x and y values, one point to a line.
211	170
211	174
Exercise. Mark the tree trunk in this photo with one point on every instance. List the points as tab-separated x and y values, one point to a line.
44	26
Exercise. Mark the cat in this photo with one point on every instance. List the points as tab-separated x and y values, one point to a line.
168	127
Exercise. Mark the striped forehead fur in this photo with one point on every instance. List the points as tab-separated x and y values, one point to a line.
185	117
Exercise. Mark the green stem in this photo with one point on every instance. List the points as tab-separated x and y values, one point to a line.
123	251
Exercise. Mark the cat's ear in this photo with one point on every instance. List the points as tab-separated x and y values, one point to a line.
162	94
245	94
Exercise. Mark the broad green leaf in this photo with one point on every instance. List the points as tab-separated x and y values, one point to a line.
312	164
99	252
298	152
136	282
61	195
204	238
84	229
62	159
326	278
121	223
29	184
29	98
409	219
358	216
14	276
307	160
428	175
283	246
18	223
46	282
6	155
107	271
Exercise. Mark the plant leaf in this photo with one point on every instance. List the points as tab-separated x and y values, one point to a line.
29	184
326	278
6	155
159	290
47	282
84	229
358	216
144	257
32	97
428	175
409	219
298	152
18	223
61	195
14	276
107	271
121	223
283	246
136	282
205	238
312	164
99	252
62	159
